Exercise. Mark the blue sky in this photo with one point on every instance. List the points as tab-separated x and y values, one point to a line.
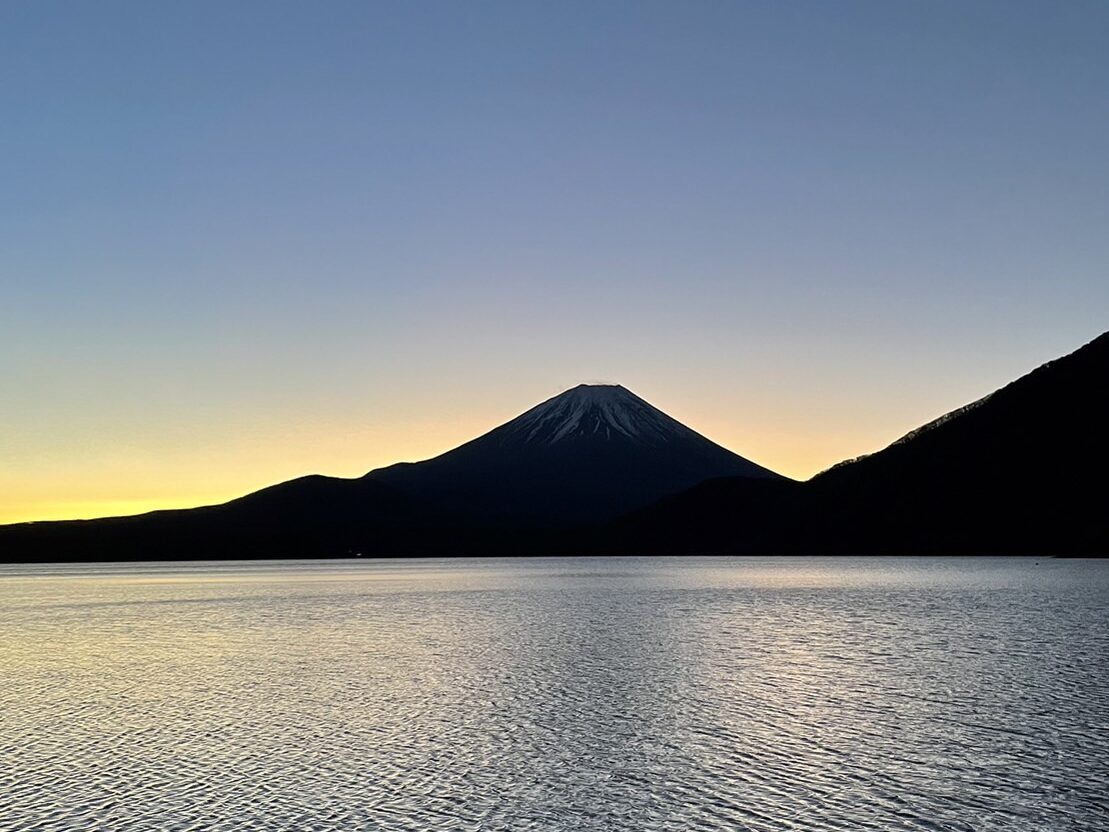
240	242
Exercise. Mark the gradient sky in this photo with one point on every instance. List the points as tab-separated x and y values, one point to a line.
240	242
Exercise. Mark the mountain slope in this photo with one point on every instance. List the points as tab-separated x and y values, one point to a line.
1021	471
588	454
311	516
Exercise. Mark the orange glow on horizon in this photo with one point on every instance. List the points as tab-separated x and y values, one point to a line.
83	497
132	474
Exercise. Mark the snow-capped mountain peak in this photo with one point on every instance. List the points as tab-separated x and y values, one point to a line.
594	451
596	411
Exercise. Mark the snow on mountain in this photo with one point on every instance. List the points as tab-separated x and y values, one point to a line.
598	410
587	454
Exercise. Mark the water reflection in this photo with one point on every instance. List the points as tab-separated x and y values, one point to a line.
556	694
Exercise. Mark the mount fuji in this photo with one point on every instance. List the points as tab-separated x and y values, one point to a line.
581	458
588	454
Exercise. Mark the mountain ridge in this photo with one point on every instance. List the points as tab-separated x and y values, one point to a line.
1019	471
591	452
978	480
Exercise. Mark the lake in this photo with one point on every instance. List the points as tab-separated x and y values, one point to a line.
556	694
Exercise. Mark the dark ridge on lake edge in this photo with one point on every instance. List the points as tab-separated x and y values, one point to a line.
597	470
1009	475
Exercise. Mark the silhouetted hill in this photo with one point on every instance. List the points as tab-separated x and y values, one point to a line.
1018	472
1022	470
589	454
311	516
731	515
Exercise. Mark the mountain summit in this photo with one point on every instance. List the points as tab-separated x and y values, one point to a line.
597	411
587	454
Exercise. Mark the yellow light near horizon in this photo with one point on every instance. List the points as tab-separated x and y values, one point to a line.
91	509
128	477
74	507
120	478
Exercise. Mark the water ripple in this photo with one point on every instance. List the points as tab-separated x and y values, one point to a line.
941	695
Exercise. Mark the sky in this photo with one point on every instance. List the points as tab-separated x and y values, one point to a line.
241	242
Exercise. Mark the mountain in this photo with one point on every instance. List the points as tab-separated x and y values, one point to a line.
1020	471
310	516
586	455
598	470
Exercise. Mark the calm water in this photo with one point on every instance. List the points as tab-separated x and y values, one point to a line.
606	694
